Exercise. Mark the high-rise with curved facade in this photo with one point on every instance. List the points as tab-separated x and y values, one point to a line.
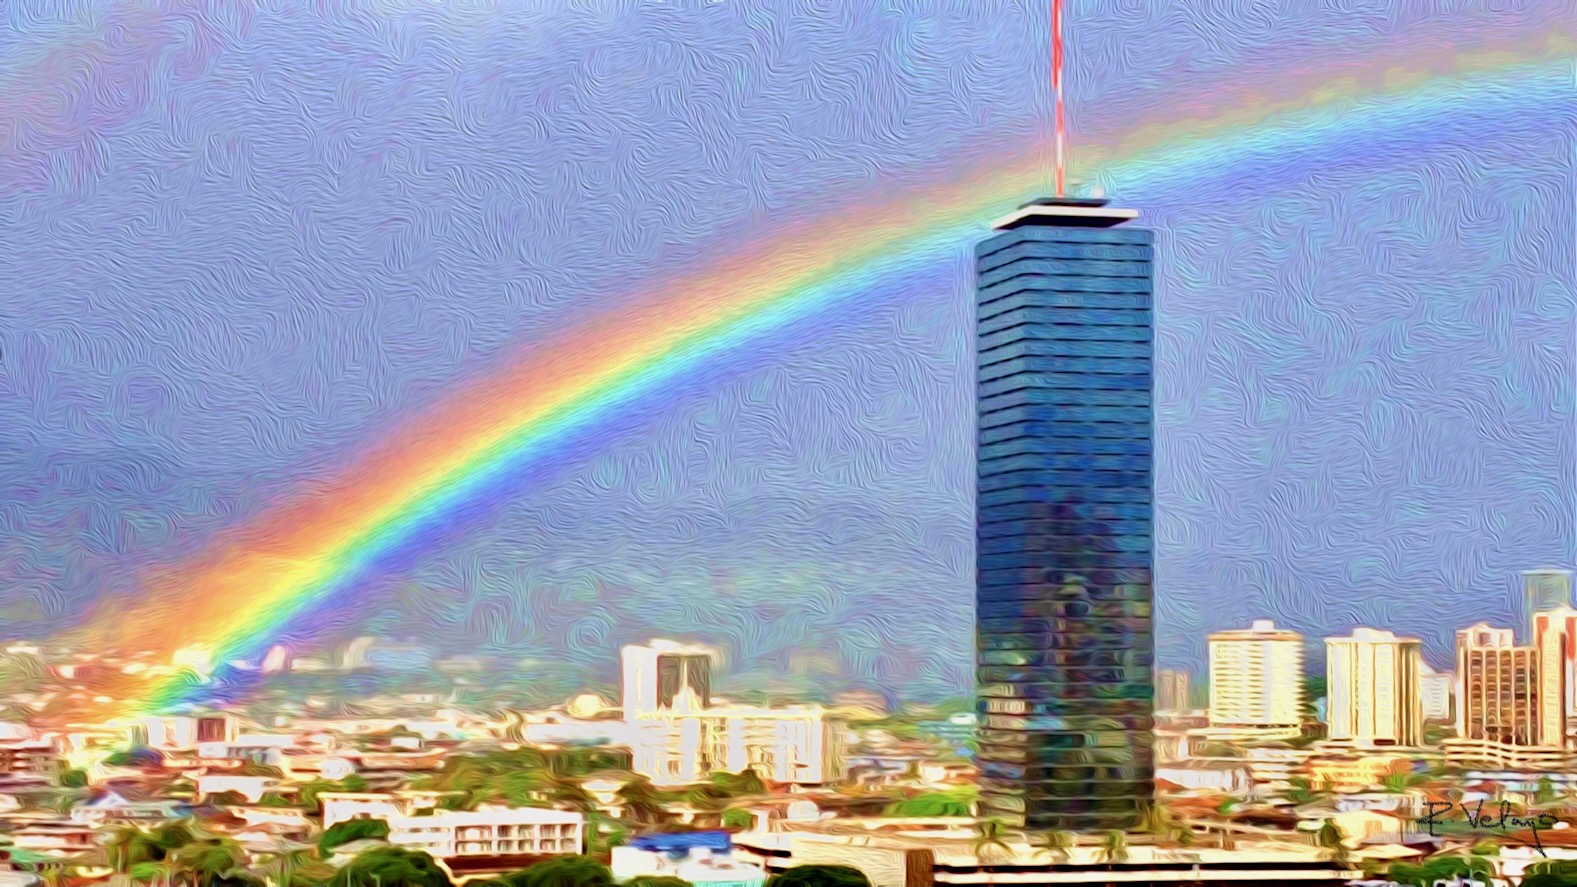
1064	516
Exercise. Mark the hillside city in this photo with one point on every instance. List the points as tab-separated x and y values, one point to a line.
1381	769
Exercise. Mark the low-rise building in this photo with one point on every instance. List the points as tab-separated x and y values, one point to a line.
1356	774
704	859
1488	753
500	831
1225	776
341	807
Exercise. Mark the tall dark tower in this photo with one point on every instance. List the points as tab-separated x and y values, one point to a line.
1063	517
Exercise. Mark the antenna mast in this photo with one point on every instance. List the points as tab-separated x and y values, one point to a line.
1056	86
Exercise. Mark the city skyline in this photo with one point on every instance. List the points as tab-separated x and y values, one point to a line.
843	480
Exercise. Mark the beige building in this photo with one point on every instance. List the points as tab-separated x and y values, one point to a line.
1374	692
1256	680
1555	639
1439	692
1498	690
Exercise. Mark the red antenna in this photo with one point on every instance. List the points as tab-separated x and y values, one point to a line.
1056	85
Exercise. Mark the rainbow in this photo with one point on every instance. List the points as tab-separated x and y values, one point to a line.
239	597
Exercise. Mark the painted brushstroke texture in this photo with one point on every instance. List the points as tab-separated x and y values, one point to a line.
535	329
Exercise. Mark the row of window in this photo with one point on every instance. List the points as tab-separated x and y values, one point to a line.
1011	250
1136	658
1052	527
1069	434
1090	275
1083	367
1020	296
1045	495
988	356
1065	332
1061	414
1061	543
1002	590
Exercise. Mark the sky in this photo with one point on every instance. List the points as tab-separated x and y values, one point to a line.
242	243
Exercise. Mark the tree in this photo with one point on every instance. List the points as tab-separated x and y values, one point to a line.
737	819
1114	847
1160	823
391	867
291	865
342	833
565	871
656	881
643	805
1551	873
1333	841
68	777
308	796
742	784
211	862
991	839
819	876
1544	793
933	804
1055	844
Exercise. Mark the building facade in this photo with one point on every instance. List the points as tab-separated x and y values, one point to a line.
796	745
1171	690
1256	679
526	831
1064	517
1439	694
1555	637
1498	692
1374	688
656	672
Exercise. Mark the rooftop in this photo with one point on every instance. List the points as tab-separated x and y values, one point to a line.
1067	212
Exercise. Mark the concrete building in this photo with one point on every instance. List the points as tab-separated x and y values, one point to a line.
1064	513
1498	688
656	673
497	832
1171	690
1373	685
677	736
1438	692
1555	639
1256	681
341	807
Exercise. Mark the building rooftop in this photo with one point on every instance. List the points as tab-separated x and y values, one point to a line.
501	816
1065	212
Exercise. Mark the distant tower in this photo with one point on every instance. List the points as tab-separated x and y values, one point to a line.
356	653
277	660
662	673
1546	589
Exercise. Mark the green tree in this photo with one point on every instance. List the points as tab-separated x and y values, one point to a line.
308	796
1333	841
819	876
1055	844
391	867
933	804
342	833
68	777
1551	873
991	840
643	804
1114	847
745	783
737	819
1544	793
656	881
565	871
209	862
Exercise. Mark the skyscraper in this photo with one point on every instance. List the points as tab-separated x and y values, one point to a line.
657	675
1063	517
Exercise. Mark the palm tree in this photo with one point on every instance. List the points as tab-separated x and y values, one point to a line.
285	862
1159	822
991	839
642	803
1333	840
1055	844
1114	847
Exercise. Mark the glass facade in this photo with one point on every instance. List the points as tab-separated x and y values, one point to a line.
1063	518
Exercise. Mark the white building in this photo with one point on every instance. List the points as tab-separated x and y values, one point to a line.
699	867
1373	687
677	736
1256	680
1438	691
655	674
345	806
491	832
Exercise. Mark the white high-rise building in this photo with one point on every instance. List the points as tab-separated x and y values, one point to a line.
1373	686
1256	679
678	736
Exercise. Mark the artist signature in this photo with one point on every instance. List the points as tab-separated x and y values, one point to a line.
1478	819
